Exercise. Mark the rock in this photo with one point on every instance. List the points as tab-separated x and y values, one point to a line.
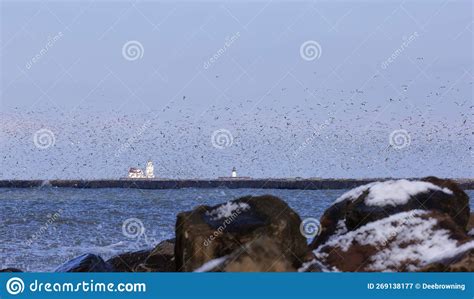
261	255
461	262
313	266
85	263
378	200
127	262
406	241
10	270
207	233
470	225
161	258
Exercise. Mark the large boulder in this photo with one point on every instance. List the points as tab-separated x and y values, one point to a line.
406	241
470	225
207	233
460	262
378	200
160	259
127	262
85	263
261	255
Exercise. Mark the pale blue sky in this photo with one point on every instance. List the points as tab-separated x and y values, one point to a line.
328	117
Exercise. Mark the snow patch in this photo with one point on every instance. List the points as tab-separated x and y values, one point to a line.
399	192
226	210
403	238
449	254
393	192
341	227
206	267
355	193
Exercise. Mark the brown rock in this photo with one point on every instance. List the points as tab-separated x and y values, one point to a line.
261	255
207	233
353	212
161	258
127	262
462	262
402	242
470	224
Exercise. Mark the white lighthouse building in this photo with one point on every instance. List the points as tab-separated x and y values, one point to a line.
234	173
149	170
137	173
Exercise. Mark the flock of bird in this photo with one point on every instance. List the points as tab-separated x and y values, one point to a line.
327	133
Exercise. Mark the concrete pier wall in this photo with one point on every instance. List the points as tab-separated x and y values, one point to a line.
304	184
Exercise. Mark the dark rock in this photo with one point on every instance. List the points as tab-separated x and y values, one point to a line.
406	241
470	225
160	259
332	217
261	255
207	233
127	262
85	263
10	270
457	206
354	211
462	262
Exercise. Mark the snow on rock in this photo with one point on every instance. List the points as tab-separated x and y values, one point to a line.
353	194
402	242
393	192
212	264
399	192
375	201
226	210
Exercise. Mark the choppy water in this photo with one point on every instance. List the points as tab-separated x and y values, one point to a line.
42	228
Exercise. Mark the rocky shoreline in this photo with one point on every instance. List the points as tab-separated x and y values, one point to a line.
396	226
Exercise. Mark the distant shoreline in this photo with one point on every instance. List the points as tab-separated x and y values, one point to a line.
231	183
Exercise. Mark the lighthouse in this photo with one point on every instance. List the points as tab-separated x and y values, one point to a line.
234	173
149	170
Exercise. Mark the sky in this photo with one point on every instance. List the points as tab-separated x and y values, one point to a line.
332	89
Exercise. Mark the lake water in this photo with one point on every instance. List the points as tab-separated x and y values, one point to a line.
42	228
